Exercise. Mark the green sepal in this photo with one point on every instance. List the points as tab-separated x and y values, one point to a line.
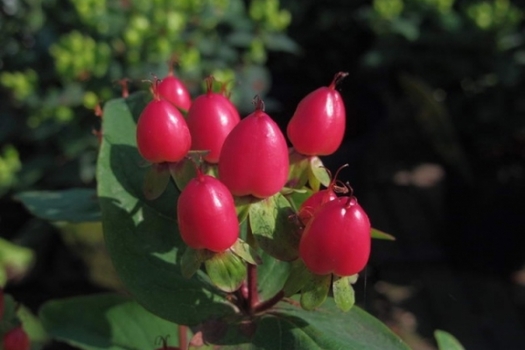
182	172
315	291
192	259
298	173
242	206
296	198
226	270
317	174
375	233
244	251
274	228
156	181
344	295
298	278
185	170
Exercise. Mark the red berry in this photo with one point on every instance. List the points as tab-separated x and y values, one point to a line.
206	214
254	157
174	90
162	132
337	238
318	124
16	339
210	119
310	205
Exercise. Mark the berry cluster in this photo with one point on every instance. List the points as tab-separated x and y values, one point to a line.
235	158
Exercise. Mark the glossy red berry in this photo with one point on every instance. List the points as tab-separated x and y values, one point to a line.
173	90
16	339
162	132
310	205
337	239
210	119
318	124
206	214
254	158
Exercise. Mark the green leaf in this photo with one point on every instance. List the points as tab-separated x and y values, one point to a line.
15	261
272	224
288	326
105	322
32	325
280	42
191	262
297	198
271	276
298	278
240	38
142	236
182	172
185	170
317	174
447	341
73	205
375	233
226	270
315	291
156	181
245	252
9	318
344	295
327	328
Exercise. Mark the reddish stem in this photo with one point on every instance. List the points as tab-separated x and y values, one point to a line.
183	337
337	79
224	90
124	85
98	110
267	304
209	84
258	103
155	88
253	294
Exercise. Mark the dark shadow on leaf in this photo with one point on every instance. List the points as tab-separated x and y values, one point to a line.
144	256
284	243
125	165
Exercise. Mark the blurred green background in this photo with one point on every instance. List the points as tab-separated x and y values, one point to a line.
435	134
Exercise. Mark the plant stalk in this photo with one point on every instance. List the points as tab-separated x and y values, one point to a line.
253	294
183	337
